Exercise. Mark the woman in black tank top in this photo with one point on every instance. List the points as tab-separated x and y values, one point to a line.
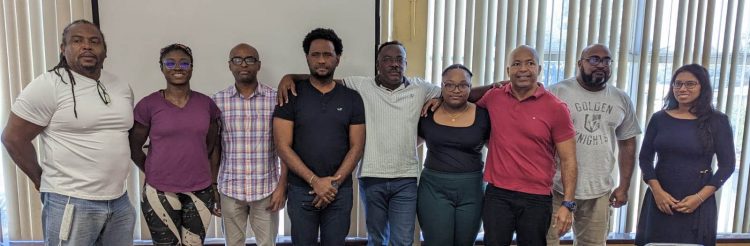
449	202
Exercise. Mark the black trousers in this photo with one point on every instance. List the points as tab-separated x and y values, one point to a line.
506	212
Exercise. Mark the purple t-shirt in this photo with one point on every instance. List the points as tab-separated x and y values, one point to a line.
177	159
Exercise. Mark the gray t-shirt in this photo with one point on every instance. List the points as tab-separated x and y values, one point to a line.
392	117
600	118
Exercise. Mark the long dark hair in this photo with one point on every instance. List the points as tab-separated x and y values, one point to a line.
702	106
63	64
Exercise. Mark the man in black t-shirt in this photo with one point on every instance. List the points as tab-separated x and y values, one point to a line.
320	135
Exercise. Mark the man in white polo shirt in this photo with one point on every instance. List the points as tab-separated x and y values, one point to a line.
389	169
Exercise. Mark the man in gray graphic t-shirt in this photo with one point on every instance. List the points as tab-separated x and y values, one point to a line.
604	120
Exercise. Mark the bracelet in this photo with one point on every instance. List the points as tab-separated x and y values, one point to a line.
700	197
311	179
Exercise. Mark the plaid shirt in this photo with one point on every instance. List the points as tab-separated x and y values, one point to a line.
249	163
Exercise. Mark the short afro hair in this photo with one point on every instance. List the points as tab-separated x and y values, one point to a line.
326	34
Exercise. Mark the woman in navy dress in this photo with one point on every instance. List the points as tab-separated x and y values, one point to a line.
680	206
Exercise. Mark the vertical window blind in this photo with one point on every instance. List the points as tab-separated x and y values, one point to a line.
648	40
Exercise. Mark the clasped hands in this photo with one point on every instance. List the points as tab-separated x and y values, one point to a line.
325	190
668	204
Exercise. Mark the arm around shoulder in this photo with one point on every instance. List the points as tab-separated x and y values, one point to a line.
287	86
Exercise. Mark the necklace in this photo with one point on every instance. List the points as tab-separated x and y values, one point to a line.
179	102
455	116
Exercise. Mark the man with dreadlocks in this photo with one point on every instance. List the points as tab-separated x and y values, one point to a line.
82	116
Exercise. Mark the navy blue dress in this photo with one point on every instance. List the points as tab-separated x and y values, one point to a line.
682	169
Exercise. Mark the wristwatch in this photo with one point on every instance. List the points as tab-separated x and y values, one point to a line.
570	205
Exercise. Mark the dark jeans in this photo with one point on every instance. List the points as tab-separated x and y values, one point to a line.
506	211
333	220
390	210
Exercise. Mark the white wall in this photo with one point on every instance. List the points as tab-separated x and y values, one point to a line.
135	30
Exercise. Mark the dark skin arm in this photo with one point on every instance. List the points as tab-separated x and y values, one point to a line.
566	150
213	142
286	85
213	145
215	164
137	136
626	157
278	197
356	150
216	160
213	138
283	135
478	92
17	138
475	94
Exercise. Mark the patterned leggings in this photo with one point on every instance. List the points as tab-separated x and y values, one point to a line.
177	218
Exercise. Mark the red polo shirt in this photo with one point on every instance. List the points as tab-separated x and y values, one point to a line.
521	154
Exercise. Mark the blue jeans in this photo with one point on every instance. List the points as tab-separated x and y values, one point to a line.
107	222
507	211
333	220
390	210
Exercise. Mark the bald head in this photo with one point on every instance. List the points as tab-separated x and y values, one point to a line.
244	48
595	48
523	49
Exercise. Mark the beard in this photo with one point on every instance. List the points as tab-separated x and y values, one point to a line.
87	67
594	82
92	69
322	77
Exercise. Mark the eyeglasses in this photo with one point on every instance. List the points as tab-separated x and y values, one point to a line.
102	93
595	60
688	84
388	59
172	64
248	60
461	87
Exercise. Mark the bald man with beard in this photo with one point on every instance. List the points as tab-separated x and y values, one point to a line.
605	122
251	181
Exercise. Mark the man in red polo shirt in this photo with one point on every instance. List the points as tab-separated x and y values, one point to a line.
529	126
